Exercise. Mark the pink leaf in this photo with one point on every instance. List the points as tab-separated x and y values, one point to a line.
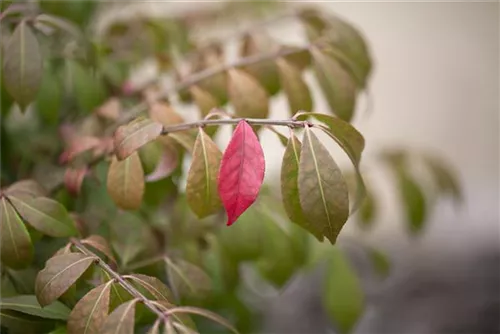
241	172
169	161
73	179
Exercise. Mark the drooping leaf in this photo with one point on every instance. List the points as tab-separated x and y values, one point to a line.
201	188
152	285
241	172
338	87
165	166
46	215
413	201
343	297
380	262
290	187
22	65
125	182
59	274
187	279
16	248
99	243
25	189
248	97
294	86
121	320
444	178
129	138
322	189
203	99
28	304
90	312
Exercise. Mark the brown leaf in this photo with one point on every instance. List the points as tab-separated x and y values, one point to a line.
110	109
99	243
248	97
129	138
125	182
121	320
164	114
59	274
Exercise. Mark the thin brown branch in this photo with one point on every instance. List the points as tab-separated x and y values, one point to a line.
126	285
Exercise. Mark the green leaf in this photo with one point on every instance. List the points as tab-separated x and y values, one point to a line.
129	138
322	189
49	98
290	187
380	262
338	87
118	296
413	202
153	286
22	65
187	279
367	210
203	99
186	139
89	314
447	183
21	323
121	320
16	247
25	189
125	182
248	97
28	304
59	274
294	86
87	87
283	139
201	188
343	297
46	216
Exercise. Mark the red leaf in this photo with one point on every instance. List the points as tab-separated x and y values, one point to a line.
241	172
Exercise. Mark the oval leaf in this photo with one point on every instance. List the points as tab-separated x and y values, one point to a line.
322	188
59	274
22	65
99	243
121	320
248	97
46	215
201	188
296	90
25	189
129	138
241	172
343	297
414	202
90	312
28	304
168	162
290	187
125	182
204	100
16	247
153	285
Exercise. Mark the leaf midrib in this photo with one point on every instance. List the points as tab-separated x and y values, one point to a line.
62	271
104	290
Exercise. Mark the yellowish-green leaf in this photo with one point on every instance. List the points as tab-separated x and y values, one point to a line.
121	320
89	314
155	288
367	210
129	138
125	182
22	323
296	90
16	247
201	188
59	274
22	65
322	189
248	97
413	201
290	187
46	215
343	297
204	100
28	304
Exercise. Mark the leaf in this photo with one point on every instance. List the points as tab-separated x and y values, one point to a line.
294	86
447	183
125	182
367	210
28	304
164	114
185	138
290	187
59	274
283	139
380	262
248	97
77	146
241	172
129	138
121	320
201	188
110	109
322	190
187	279
118	296
203	99
87	86
343	297
89	314
413	202
205	313
49	98
22	65
73	179
46	215
99	243
16	249
25	189
168	162
337	85
21	323
153	286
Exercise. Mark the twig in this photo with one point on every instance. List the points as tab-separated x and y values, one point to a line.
127	286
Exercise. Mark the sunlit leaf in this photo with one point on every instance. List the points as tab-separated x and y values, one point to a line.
28	304
125	182
16	248
129	138
322	189
413	201
343	296
201	188
290	187
89	314
46	215
294	86
121	320
153	286
59	274
446	181
22	65
248	97
18	322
